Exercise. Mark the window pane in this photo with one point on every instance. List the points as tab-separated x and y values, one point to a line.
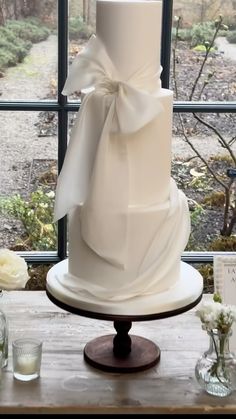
82	19
203	55
201	159
28	171
28	50
82	24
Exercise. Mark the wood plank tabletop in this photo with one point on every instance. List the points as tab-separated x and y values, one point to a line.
69	385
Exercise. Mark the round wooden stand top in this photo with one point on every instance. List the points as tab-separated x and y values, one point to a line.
119	317
104	352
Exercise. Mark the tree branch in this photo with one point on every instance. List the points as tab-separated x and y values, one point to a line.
221	139
199	155
174	58
208	49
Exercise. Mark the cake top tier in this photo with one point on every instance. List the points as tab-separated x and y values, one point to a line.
131	32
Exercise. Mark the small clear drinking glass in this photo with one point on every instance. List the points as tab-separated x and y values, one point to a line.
26	358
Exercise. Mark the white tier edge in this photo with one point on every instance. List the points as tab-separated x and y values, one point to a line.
183	293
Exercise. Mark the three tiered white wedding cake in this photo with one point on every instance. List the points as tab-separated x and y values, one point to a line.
128	222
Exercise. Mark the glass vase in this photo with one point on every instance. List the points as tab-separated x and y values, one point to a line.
216	368
3	335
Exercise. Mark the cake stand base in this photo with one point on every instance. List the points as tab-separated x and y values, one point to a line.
122	352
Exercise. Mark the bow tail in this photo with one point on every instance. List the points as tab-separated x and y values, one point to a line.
73	181
104	215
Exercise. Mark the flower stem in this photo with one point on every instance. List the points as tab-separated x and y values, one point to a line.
219	358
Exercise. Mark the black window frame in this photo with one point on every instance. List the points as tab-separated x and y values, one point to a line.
62	106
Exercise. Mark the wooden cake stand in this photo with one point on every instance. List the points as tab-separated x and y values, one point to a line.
121	352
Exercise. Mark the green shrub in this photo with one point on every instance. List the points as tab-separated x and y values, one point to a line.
202	48
36	215
19	49
183	34
28	31
204	32
16	39
231	37
199	34
7	59
78	29
6	33
223	244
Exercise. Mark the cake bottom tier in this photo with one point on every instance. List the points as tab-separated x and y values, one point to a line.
156	237
185	291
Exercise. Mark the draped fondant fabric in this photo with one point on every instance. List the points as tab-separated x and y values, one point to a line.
95	172
160	261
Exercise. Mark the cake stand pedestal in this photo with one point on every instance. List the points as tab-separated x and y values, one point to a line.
121	352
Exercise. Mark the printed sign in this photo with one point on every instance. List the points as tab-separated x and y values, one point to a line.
225	284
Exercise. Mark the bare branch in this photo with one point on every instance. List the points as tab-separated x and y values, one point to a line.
221	139
226	208
199	155
208	49
174	58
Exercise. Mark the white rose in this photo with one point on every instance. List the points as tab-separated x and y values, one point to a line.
13	270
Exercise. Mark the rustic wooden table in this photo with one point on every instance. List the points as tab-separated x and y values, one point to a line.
69	385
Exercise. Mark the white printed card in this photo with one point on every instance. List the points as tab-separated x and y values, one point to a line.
225	285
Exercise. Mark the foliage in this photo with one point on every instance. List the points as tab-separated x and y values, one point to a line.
37	274
36	215
199	34
28	29
16	39
7	59
196	213
17	50
202	48
78	29
207	272
183	34
215	199
223	243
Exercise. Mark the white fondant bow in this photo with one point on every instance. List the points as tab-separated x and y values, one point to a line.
95	171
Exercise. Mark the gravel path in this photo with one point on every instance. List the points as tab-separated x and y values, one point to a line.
229	50
19	141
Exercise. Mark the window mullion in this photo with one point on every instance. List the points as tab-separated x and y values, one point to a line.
166	41
63	113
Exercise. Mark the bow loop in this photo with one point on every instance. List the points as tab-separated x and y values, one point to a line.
89	67
135	108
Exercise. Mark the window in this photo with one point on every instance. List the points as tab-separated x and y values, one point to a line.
48	115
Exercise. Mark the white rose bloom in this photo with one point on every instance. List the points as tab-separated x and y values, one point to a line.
13	270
